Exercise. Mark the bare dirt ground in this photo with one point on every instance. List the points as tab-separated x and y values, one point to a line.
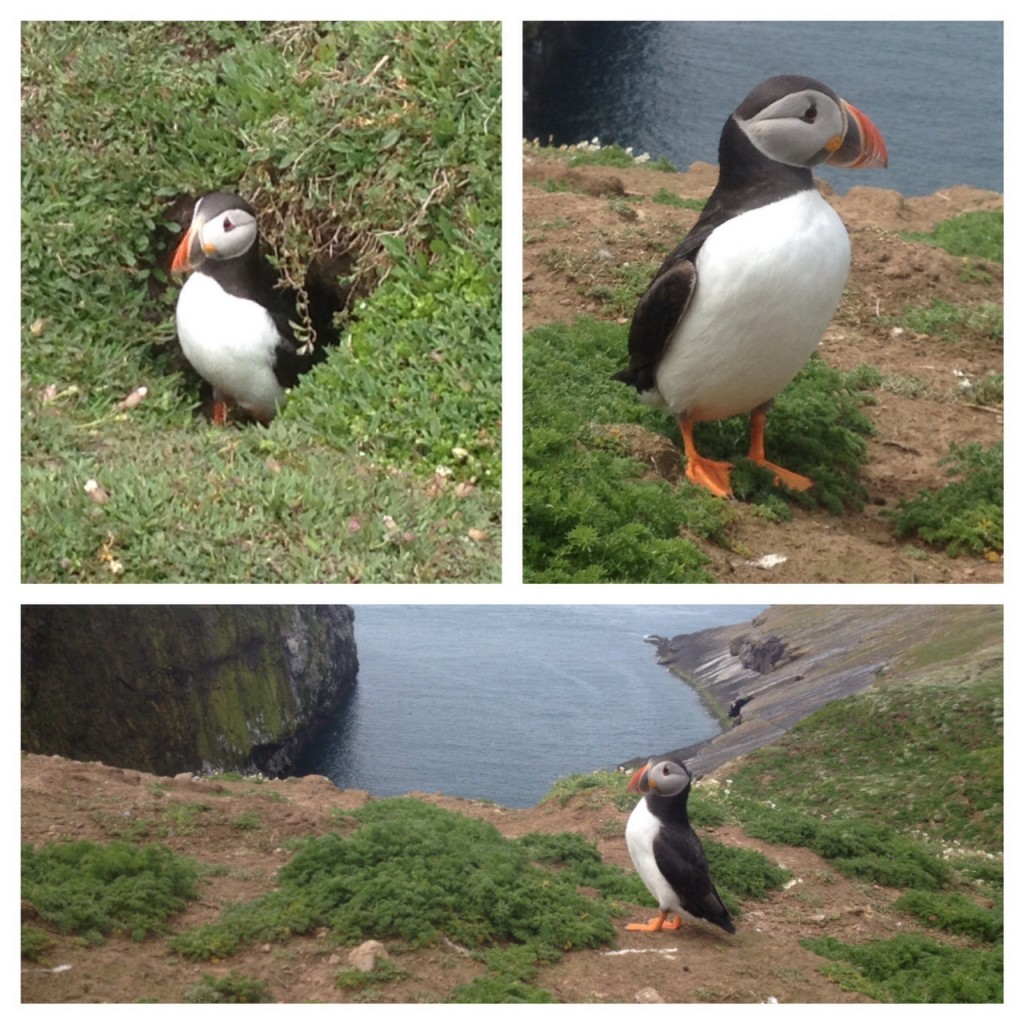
763	962
574	240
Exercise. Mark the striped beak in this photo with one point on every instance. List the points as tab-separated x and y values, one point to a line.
641	780
862	145
189	253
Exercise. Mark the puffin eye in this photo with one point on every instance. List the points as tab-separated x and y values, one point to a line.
227	225
810	115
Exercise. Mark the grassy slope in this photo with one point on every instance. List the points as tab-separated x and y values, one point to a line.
384	466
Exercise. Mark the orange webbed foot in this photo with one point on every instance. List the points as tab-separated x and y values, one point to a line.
707	473
656	924
794	481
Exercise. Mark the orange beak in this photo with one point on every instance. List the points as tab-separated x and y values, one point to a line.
189	253
863	145
640	782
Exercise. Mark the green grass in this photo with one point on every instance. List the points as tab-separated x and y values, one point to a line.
965	516
667	198
372	149
900	756
901	787
951	323
95	889
978	234
591	514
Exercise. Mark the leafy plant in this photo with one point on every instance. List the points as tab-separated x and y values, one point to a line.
414	872
95	889
34	942
913	969
230	988
965	516
954	913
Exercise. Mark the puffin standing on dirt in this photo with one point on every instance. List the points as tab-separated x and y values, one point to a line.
230	322
740	305
666	852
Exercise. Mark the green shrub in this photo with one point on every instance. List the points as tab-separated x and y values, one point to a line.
965	516
231	988
954	913
414	872
913	969
34	942
498	988
95	889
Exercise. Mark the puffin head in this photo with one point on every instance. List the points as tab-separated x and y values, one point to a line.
223	227
801	122
661	776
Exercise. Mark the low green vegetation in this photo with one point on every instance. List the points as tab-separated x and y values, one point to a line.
950	323
913	969
965	516
592	511
667	198
369	982
231	988
411	872
95	889
372	150
978	235
901	787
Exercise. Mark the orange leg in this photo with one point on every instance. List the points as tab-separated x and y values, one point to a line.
219	413
707	473
656	923
792	480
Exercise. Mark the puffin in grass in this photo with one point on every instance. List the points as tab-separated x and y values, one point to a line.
666	852
233	326
740	305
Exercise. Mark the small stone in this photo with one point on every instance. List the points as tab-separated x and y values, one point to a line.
648	995
364	957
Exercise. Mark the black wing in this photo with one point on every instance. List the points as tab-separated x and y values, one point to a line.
681	859
655	319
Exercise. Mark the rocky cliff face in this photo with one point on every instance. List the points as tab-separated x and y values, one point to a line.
760	678
167	689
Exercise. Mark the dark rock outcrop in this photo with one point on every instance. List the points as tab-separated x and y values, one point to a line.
759	654
167	689
839	650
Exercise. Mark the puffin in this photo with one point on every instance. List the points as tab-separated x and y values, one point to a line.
739	306
666	852
233	326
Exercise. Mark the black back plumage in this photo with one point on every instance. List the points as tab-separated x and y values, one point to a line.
681	859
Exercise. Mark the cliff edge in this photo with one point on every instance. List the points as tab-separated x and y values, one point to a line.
167	689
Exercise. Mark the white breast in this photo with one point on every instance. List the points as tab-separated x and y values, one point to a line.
230	342
768	283
641	830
